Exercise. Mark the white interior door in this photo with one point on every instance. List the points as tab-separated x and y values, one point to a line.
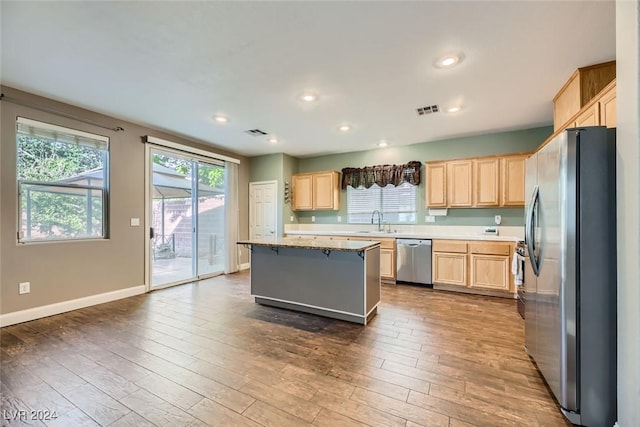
263	209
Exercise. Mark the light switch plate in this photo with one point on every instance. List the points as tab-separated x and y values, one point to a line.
339	218
429	218
135	222
313	218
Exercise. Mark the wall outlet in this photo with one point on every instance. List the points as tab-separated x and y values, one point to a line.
24	287
291	218
498	219
429	218
339	218
491	231
313	218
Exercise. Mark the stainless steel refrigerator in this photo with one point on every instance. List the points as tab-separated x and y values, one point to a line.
570	272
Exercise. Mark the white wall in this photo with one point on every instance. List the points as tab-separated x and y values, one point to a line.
628	206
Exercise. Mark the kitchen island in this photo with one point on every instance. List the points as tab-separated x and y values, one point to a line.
338	279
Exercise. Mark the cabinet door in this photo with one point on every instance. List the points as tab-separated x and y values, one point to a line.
302	186
387	263
436	184
486	182
450	268
489	272
589	117
512	183
460	187
608	108
324	190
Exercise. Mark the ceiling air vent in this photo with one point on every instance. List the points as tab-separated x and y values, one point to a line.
256	132
427	110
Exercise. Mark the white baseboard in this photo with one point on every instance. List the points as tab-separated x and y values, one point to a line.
64	306
245	266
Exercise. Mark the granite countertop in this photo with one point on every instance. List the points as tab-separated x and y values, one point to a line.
332	245
403	235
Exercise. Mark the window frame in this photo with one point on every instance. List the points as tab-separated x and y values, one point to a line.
381	206
105	149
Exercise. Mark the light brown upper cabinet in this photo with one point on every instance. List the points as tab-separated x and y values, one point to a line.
302	189
608	107
326	190
512	182
583	85
460	178
316	191
589	117
486	181
436	184
478	182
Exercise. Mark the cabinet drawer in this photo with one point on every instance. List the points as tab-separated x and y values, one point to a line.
456	246
490	248
387	243
384	243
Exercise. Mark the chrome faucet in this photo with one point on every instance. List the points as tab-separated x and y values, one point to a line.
379	218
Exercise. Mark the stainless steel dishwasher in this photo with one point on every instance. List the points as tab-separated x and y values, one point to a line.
413	262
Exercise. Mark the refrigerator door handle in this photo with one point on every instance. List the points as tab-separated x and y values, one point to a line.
530	230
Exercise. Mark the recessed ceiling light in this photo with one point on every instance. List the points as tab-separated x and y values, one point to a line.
308	97
273	140
383	143
221	119
448	61
454	109
344	128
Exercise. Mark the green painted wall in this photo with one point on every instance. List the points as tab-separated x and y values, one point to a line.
483	145
266	168
499	143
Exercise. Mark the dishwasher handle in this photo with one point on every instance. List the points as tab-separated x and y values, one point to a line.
413	243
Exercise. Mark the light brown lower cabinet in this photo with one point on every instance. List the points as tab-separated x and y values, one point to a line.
387	264
489	272
473	265
387	256
450	268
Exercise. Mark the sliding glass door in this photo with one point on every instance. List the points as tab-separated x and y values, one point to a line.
187	218
210	219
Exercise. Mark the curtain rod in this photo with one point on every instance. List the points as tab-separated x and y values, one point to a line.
59	113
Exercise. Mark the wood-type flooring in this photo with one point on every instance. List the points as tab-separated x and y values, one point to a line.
206	354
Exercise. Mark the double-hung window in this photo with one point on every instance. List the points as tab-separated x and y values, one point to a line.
396	203
62	182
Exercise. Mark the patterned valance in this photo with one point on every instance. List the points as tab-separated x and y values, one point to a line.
382	175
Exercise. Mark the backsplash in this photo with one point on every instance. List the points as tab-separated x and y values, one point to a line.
511	217
433	230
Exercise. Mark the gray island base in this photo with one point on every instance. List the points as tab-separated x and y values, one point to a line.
332	278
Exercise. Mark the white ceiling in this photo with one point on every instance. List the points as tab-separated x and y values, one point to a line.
174	65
